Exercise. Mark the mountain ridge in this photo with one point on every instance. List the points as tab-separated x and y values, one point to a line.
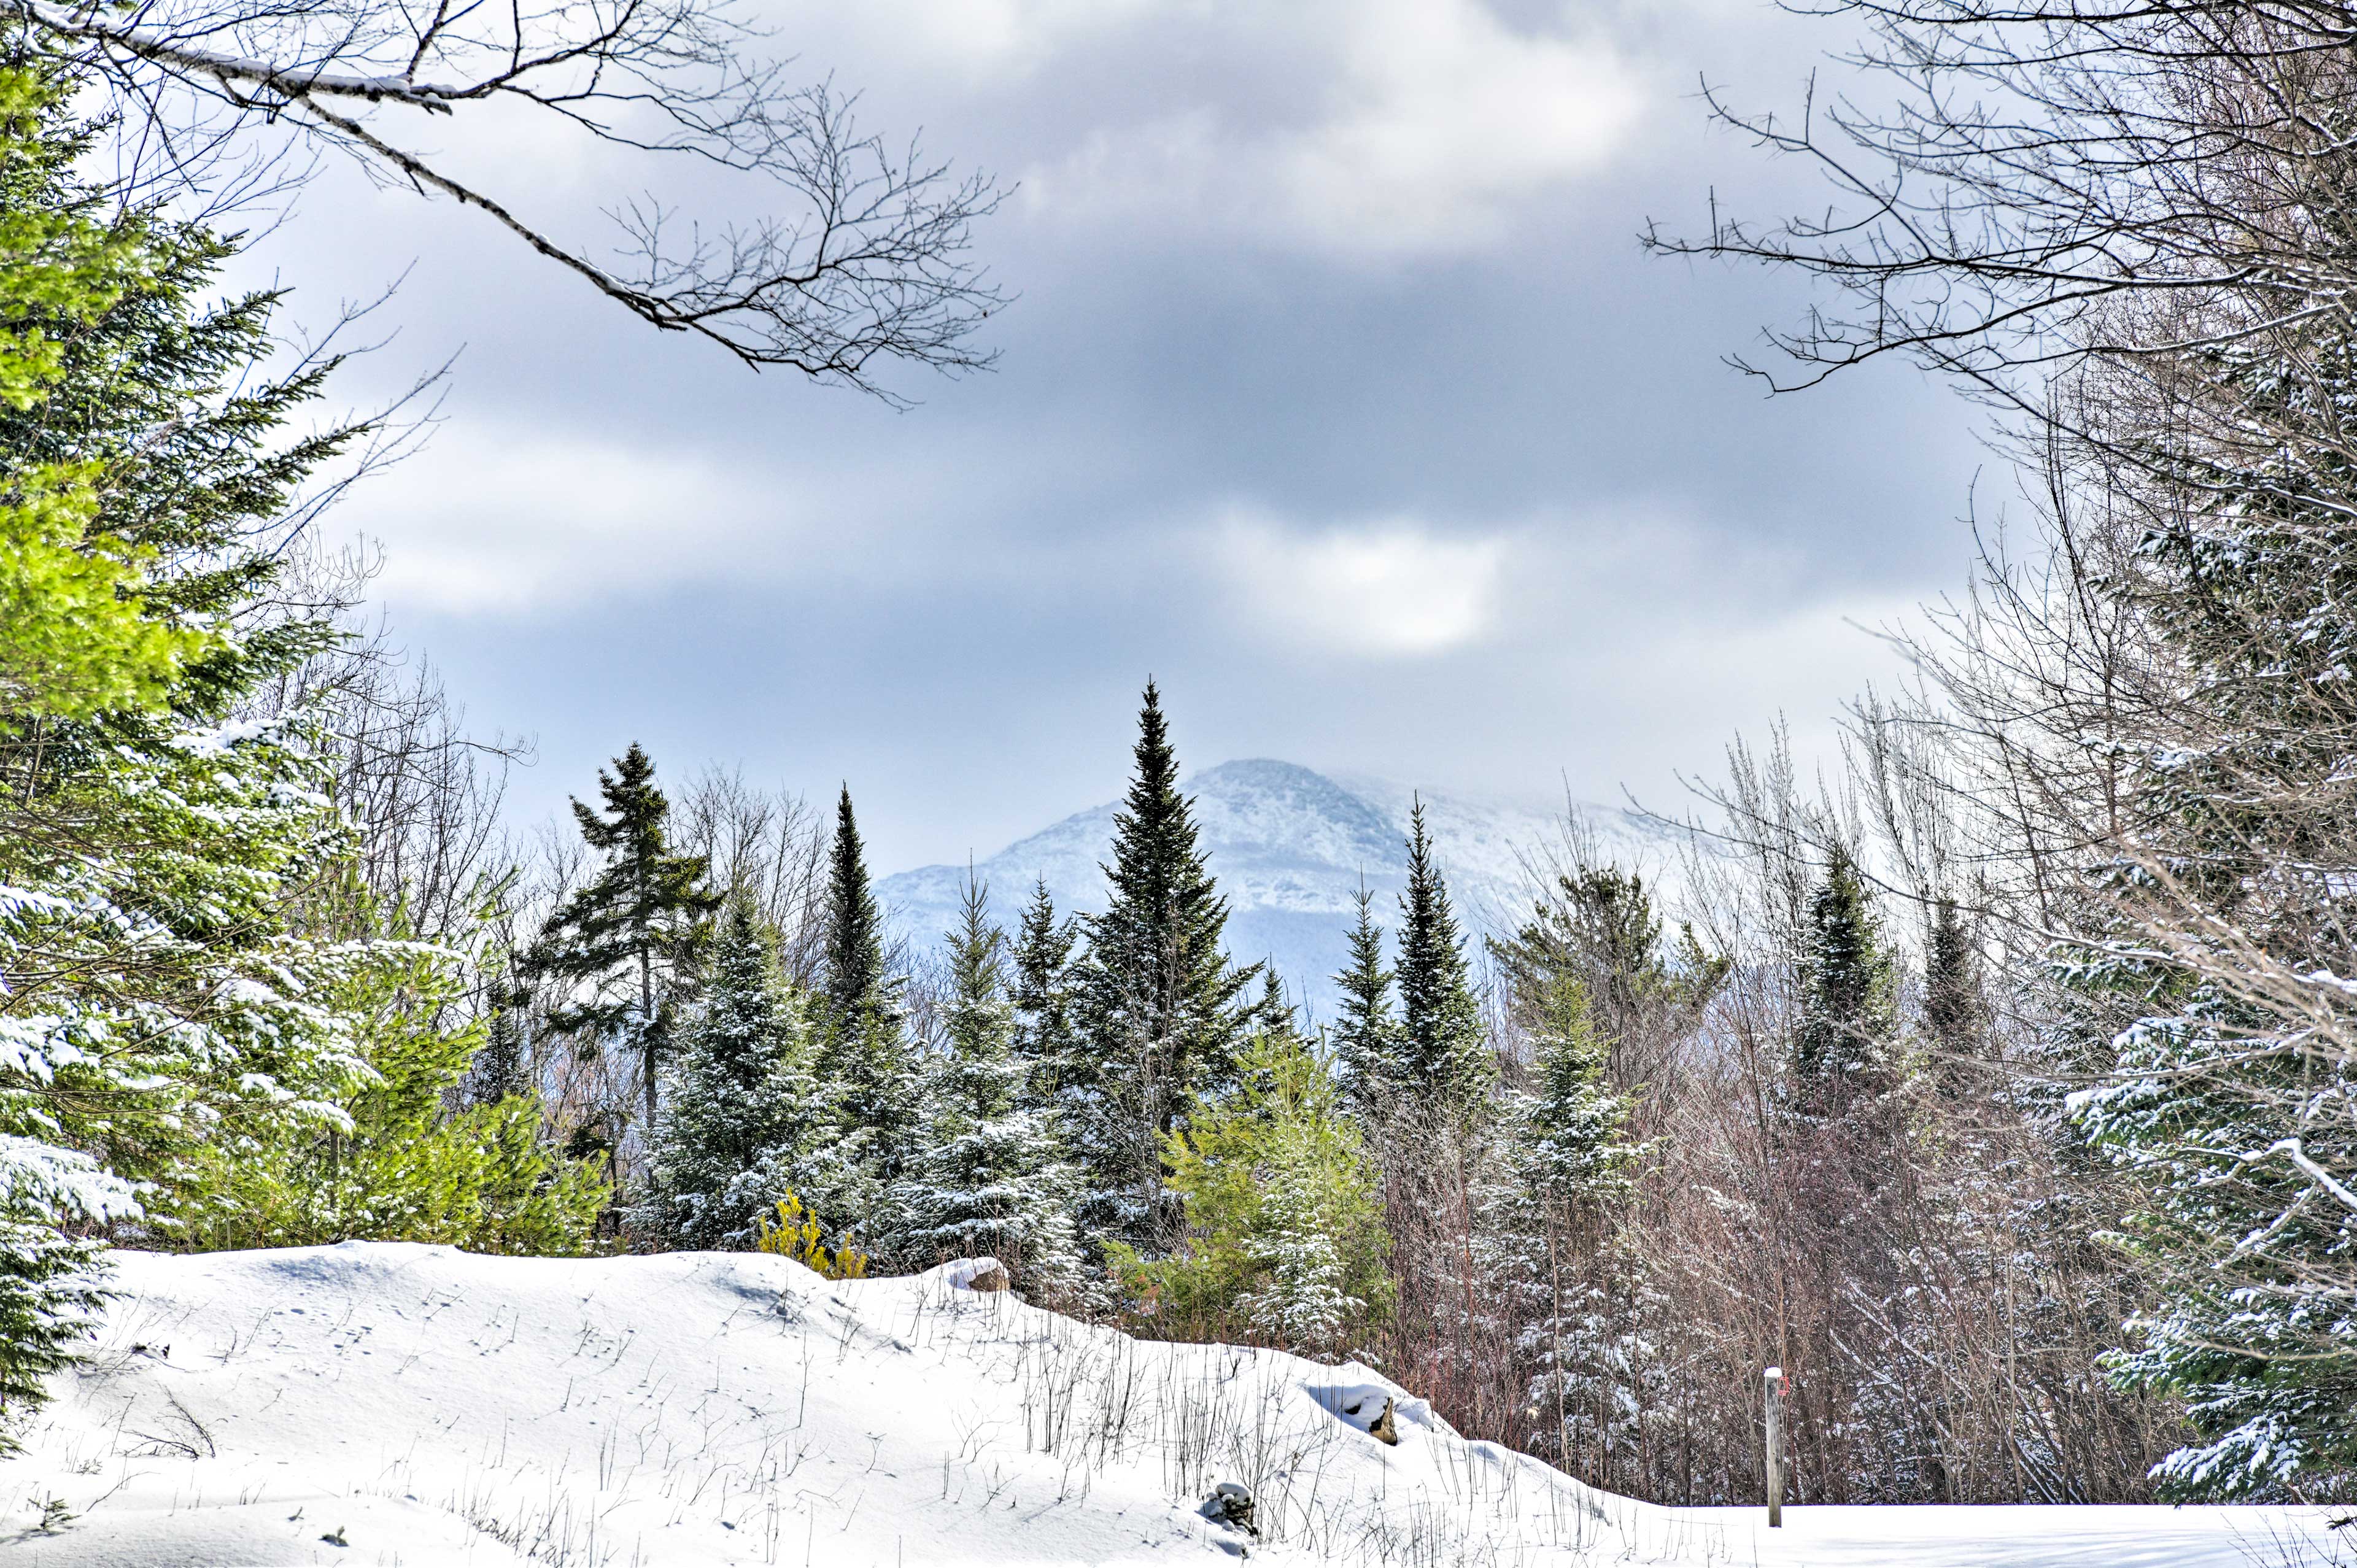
1288	846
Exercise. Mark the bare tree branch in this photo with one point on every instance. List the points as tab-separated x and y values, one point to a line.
869	265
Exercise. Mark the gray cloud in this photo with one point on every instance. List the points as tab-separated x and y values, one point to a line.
1338	395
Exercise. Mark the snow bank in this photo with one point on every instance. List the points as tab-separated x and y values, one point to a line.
383	1404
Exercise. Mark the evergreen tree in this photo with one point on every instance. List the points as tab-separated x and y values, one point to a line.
991	1180
1574	1136
855	928
2208	996
1841	1045
157	994
1160	1006
1952	989
1045	1035
1550	1238
628	942
1283	1236
1273	1014
866	1067
1443	1054
399	1165
500	1069
1365	1034
743	1109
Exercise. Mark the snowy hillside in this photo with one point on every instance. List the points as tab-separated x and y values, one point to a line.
383	1404
1289	847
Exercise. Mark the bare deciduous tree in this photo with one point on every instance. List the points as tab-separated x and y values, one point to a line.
867	264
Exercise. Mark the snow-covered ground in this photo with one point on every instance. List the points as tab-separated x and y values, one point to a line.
380	1404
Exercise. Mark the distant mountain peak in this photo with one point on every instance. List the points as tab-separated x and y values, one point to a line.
1289	846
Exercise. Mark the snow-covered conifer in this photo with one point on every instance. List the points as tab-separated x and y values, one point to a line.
743	1111
1366	1032
1160	1008
626	944
1442	1057
1041	991
1842	1044
991	1180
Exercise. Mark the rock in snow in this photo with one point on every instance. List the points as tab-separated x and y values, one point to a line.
380	1404
974	1273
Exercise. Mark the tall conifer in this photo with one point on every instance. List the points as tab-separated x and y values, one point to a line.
855	930
1442	1056
1365	1034
627	941
865	1063
1951	1009
1841	1046
991	1180
742	1108
1158	1005
1042	989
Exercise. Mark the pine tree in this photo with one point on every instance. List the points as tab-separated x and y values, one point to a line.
866	1068
1841	1046
1365	1034
1283	1235
1952	996
500	1069
155	987
627	941
991	1180
743	1111
1159	1007
1442	1059
855	928
1045	1036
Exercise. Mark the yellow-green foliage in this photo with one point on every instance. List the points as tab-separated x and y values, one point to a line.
396	1162
75	637
795	1234
1284	1238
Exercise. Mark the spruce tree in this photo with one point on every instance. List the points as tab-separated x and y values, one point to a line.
1952	998
743	1109
1159	1005
1442	1059
1549	1239
865	1064
627	943
1273	1016
1365	1032
854	928
991	1180
1841	1045
501	1068
1042	989
1573	1138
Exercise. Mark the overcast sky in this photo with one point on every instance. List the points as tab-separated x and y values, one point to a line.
1338	396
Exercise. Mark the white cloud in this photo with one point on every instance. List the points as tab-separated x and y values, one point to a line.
488	520
1414	127
1391	587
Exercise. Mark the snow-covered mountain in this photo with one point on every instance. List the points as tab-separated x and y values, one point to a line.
1289	847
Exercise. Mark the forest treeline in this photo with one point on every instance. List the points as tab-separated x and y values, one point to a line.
1991	1077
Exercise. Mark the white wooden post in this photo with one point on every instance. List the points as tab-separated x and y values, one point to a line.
1773	1381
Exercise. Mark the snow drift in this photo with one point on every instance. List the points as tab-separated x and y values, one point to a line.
381	1404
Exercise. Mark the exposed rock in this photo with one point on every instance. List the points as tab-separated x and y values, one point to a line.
1383	1430
974	1273
1231	1505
